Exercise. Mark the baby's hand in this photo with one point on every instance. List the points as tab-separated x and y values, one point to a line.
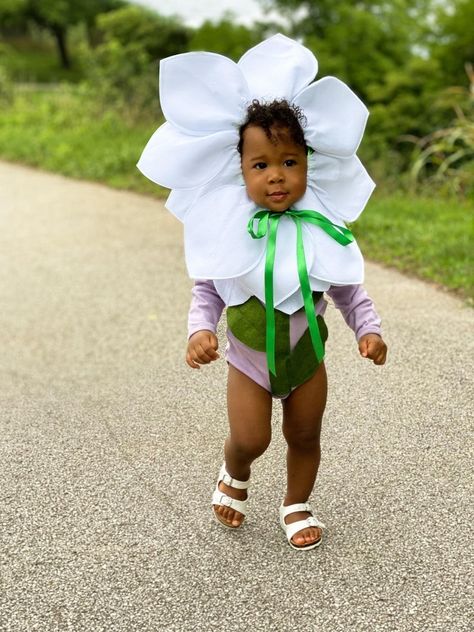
373	347
202	348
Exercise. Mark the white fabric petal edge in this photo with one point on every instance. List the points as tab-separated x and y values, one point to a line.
332	262
285	272
342	185
231	292
278	68
336	117
204	97
216	242
295	302
202	93
177	160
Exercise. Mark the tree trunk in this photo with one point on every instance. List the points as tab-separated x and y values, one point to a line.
60	35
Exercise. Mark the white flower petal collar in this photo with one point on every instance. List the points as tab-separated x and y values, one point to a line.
204	97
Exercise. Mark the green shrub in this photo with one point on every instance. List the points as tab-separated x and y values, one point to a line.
444	159
64	131
6	85
122	78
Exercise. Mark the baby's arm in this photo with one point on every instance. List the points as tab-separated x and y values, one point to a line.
359	313
204	313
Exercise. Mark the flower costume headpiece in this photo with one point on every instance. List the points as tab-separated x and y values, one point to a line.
204	97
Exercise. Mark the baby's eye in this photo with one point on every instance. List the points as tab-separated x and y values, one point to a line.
260	165
290	162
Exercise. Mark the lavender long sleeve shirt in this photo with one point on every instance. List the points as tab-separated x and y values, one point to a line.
206	309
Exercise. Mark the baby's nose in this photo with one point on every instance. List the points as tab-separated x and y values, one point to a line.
275	175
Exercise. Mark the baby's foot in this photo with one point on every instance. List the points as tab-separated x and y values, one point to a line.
306	536
228	516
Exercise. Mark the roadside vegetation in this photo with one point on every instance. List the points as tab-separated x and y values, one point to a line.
78	96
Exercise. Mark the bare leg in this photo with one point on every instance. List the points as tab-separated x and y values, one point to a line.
249	408
302	417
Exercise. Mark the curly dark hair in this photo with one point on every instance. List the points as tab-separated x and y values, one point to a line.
278	114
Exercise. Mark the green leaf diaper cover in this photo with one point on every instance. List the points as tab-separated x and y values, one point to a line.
247	323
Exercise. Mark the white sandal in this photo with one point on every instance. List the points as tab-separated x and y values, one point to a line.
299	525
220	498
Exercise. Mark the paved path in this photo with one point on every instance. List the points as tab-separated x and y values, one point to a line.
110	444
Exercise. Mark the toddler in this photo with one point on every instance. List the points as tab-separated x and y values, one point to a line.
274	167
263	174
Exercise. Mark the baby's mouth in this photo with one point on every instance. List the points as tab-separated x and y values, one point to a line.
277	196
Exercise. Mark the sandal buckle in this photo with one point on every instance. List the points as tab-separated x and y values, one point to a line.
226	500
227	480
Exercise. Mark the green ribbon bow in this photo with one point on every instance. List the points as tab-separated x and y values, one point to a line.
267	223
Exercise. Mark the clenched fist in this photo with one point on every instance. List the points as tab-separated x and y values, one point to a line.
373	347
202	348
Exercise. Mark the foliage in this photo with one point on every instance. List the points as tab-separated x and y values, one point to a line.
452	40
425	236
399	56
121	71
35	61
396	103
121	78
405	18
56	16
63	131
6	86
225	37
156	35
444	159
358	50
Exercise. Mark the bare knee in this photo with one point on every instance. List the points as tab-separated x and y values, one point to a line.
248	448
302	438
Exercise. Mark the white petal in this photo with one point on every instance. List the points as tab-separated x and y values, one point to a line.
278	68
285	273
177	160
311	202
181	200
332	262
216	241
341	184
231	292
336	117
295	302
202	92
336	264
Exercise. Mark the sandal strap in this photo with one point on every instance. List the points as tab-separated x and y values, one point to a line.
294	527
299	525
219	498
226	478
289	509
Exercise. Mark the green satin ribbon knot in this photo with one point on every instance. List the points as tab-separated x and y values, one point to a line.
267	224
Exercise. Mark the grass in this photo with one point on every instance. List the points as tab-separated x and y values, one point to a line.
65	132
29	61
428	237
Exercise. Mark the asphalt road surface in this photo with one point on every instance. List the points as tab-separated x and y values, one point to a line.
110	445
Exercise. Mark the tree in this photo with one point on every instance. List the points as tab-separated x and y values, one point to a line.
453	42
359	41
225	37
56	16
155	34
380	48
121	69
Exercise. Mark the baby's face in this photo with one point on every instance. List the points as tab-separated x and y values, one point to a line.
274	172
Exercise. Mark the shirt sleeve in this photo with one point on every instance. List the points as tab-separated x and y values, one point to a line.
356	308
205	309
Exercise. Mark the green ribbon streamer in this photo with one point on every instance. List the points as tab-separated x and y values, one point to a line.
267	223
